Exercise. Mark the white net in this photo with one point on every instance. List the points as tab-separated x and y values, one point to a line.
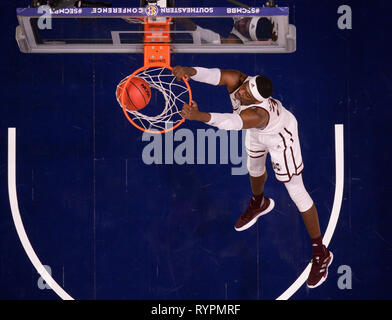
167	98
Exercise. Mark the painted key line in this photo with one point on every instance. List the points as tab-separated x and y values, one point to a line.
18	220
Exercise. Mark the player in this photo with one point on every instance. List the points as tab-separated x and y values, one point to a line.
270	129
245	29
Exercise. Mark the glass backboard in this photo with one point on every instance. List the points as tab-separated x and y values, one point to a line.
121	30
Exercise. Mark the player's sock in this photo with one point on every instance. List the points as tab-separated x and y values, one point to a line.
257	200
317	245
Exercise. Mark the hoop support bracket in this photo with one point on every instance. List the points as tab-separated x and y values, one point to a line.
157	43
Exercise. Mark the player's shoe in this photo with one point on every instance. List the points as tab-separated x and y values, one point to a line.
250	216
319	272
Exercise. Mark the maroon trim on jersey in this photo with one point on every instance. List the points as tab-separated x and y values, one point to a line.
273	105
255	151
292	155
284	140
288	132
295	165
291	135
281	174
256	156
296	174
301	165
284	153
282	180
285	159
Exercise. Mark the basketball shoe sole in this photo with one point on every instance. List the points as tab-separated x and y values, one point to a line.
254	220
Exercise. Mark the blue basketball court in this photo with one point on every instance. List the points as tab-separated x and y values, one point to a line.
111	212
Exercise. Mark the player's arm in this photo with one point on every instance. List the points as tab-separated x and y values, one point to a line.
205	35
214	76
249	118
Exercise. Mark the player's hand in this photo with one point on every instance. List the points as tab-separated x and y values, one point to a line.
190	111
183	72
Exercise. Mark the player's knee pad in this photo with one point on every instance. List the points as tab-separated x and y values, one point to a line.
298	193
256	166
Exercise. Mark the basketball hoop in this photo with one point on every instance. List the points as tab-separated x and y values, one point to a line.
157	72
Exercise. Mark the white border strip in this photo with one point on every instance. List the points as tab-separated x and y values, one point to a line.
337	203
18	220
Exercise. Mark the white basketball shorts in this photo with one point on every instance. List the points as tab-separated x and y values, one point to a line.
283	147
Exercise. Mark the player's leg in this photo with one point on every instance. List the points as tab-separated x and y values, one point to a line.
305	205
257	184
311	221
287	163
322	257
259	204
257	155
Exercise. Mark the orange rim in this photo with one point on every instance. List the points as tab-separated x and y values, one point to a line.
135	124
156	54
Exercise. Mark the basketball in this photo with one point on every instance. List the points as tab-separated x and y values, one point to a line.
137	94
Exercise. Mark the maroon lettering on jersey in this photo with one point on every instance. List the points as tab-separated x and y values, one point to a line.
273	105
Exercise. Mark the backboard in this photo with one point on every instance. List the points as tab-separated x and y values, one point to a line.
121	30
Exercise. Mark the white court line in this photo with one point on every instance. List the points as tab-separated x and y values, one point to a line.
337	204
18	220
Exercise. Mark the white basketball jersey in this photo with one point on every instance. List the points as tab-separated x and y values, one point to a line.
278	115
